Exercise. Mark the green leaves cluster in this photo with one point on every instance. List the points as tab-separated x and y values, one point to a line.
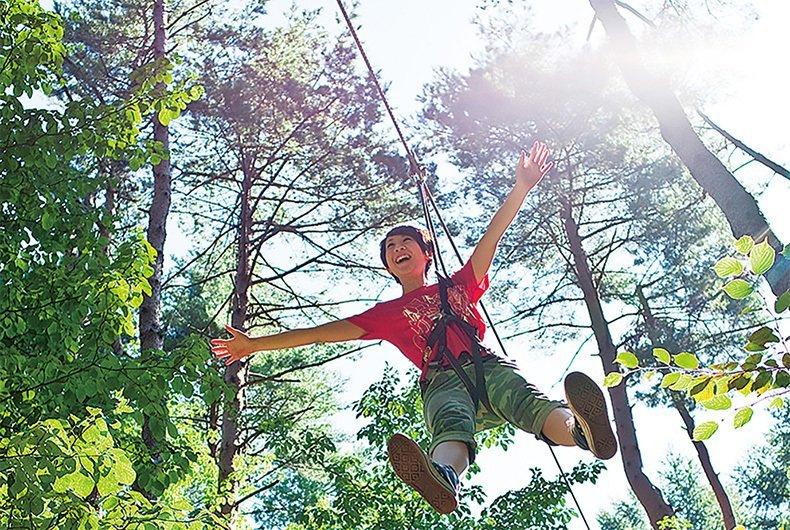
69	454
70	473
764	372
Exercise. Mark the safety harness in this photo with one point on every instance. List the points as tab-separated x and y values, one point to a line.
438	336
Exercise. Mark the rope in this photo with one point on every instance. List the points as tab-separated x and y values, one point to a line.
424	192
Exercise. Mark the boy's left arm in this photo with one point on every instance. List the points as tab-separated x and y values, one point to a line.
529	171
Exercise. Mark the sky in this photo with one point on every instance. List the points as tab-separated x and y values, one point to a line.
407	40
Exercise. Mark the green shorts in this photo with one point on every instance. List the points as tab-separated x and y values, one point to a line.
450	414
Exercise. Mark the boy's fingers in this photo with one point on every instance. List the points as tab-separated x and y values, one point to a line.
218	342
544	155
233	331
539	152
547	167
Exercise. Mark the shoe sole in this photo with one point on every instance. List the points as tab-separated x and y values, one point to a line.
413	467
588	405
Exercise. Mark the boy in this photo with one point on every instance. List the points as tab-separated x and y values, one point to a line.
465	387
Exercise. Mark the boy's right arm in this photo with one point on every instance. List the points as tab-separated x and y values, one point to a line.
241	345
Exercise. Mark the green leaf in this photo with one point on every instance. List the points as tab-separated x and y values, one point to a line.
80	484
703	390
164	117
763	336
612	379
717	403
122	469
742	417
727	267
763	379
670	379
47	220
738	289
786	251
776	403
627	359
684	382
744	245
783	302
687	360
662	355
121	289
108	484
754	358
751	346
703	431
762	257
738	382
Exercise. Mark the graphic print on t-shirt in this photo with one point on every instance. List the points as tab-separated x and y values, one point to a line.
407	321
423	311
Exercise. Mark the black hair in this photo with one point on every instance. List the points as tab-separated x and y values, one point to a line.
420	235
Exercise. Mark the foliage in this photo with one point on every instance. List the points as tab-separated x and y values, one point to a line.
763	374
624	515
69	473
690	493
685	489
763	482
71	392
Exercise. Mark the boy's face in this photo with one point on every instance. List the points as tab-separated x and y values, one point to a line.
405	258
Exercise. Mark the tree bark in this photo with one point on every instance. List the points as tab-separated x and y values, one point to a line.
648	495
151	337
728	516
236	373
738	206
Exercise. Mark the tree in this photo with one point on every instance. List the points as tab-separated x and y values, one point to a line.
68	294
680	480
763	482
738	206
284	161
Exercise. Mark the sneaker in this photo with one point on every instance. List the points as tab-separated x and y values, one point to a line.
591	430
437	483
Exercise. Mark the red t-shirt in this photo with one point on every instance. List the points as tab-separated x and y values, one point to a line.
407	321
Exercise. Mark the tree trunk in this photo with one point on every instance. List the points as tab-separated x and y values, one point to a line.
722	498
150	310
236	373
738	206
648	495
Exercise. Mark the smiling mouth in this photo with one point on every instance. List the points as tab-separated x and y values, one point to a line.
403	258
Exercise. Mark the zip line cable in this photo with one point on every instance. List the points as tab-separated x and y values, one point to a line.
417	172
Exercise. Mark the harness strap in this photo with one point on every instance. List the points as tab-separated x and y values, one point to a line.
477	389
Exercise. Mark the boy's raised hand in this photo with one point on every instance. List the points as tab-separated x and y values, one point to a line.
531	168
233	349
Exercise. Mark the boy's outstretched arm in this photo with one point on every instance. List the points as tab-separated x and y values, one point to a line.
241	345
530	169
